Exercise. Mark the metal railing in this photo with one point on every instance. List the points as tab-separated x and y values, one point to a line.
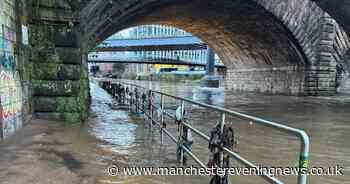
302	135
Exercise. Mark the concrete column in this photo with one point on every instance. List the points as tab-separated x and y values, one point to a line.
210	67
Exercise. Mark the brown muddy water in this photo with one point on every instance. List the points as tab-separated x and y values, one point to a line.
325	119
116	136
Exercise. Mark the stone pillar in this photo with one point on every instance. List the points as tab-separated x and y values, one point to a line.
60	82
343	75
59	70
321	75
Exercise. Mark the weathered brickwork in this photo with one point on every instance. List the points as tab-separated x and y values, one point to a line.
338	9
341	44
271	46
283	80
342	58
343	75
14	78
257	42
333	44
59	78
323	41
301	17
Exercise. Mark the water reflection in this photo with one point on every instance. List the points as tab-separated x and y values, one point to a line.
213	96
114	127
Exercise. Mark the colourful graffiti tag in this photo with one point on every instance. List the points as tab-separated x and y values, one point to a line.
1	126
11	97
11	101
2	44
10	86
9	34
7	61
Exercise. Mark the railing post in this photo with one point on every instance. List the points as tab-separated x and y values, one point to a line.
122	94
161	117
181	131
131	99
136	100
304	159
222	125
151	108
128	98
144	102
179	117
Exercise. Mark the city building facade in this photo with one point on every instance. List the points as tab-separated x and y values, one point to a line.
154	31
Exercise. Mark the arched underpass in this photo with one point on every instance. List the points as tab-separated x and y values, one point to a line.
267	46
279	46
274	46
258	51
286	47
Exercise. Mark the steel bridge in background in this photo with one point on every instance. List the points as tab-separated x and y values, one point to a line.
152	44
149	60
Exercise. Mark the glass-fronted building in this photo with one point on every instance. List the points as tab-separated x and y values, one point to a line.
150	31
161	31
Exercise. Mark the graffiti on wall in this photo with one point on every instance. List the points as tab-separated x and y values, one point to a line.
11	102
11	97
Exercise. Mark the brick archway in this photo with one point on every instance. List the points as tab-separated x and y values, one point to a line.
288	46
252	37
304	19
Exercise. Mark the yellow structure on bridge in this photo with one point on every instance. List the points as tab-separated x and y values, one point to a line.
158	67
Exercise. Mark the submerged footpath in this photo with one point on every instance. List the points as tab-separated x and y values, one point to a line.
41	154
47	152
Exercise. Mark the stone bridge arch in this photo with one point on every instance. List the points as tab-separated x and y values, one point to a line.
297	28
302	18
338	9
292	44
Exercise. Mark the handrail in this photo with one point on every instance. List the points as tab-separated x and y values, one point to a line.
174	139
301	134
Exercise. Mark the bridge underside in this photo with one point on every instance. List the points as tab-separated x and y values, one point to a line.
274	46
259	52
263	50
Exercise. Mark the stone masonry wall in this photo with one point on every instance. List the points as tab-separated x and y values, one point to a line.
59	77
333	44
343	75
318	78
323	41
341	55
283	80
306	22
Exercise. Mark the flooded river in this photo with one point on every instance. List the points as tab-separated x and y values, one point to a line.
125	139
